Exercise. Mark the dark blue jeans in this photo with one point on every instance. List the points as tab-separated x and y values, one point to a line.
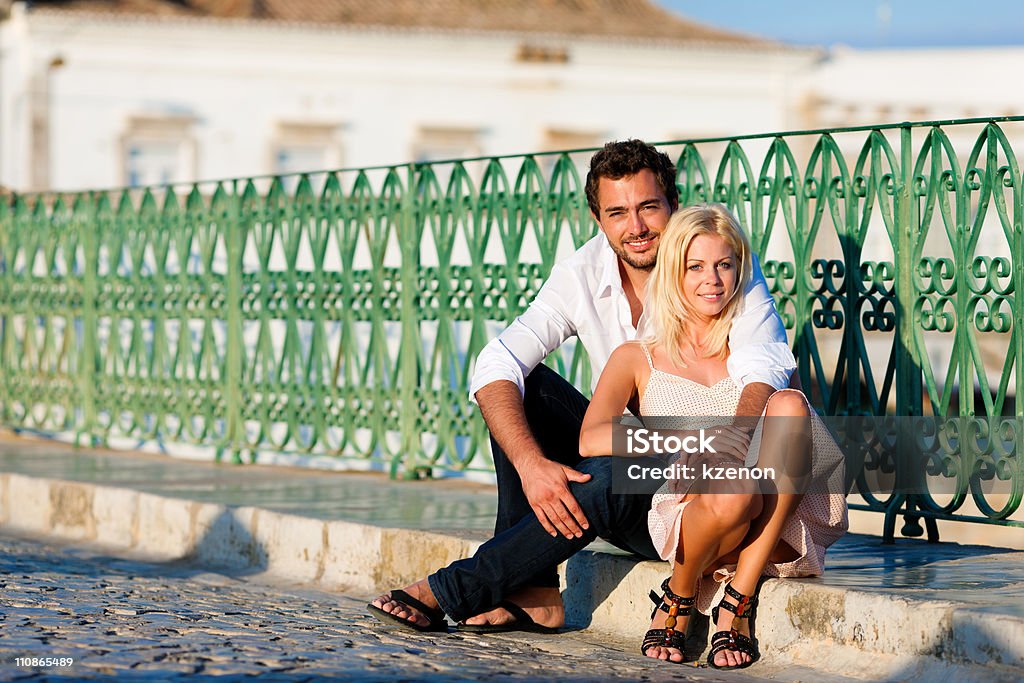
514	558
554	411
522	553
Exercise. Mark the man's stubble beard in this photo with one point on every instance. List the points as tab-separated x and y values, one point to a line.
632	261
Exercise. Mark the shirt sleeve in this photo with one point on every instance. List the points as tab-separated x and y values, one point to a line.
524	344
758	348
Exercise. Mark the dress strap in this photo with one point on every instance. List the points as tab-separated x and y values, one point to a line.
647	353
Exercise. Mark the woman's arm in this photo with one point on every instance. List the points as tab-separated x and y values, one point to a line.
616	389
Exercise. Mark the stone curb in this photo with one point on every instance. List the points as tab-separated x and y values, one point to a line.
603	592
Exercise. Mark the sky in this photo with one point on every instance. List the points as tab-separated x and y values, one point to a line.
866	23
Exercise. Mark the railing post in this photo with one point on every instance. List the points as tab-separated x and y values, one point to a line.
1017	261
232	378
90	293
6	225
409	349
908	372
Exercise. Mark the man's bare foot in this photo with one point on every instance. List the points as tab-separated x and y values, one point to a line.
544	605
420	591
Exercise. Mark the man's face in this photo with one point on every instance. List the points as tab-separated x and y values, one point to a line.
634	212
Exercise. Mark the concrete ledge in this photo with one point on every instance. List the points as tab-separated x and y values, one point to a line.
604	592
609	593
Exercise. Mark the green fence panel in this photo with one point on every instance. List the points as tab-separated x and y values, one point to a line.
339	313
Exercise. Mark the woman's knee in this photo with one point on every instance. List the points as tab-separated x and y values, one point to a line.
787	402
731	509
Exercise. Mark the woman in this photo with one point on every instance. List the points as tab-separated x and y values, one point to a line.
714	531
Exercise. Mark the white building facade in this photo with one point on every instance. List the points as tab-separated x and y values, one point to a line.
97	99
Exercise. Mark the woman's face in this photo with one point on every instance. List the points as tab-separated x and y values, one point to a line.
711	273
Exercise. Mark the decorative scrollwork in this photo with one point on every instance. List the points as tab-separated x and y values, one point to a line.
781	277
987	271
831	274
934	314
341	313
989	315
828	312
937	275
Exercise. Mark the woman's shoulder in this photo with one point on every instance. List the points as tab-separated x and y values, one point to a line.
630	353
632	348
640	353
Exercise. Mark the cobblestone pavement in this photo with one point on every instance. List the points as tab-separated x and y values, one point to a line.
135	620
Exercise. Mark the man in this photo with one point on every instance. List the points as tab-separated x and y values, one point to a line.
550	504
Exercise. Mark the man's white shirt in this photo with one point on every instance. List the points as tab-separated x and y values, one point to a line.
583	297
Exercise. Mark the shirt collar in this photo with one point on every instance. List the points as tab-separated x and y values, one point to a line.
610	277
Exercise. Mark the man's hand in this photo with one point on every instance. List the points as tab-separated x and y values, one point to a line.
546	485
545	482
730	440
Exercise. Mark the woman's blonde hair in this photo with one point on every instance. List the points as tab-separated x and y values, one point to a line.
667	310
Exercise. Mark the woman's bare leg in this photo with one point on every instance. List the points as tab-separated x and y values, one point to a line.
785	446
712	525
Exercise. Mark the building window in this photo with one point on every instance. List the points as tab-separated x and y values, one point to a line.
151	162
299	147
541	54
158	150
435	143
298	159
917	113
562	139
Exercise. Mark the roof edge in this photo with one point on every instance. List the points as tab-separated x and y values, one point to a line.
755	46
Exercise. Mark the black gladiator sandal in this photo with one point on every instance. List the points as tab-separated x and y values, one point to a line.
732	640
675	606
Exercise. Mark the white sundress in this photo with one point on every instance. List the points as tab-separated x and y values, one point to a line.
819	520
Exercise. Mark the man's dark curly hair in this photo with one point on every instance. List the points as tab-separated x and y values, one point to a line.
622	159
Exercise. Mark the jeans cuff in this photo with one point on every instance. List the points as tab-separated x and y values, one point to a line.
442	599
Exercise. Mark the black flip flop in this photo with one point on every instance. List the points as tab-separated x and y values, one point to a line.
435	616
521	622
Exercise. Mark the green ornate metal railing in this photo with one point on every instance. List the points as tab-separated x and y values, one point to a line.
341	315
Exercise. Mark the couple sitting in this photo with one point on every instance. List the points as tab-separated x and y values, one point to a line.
714	345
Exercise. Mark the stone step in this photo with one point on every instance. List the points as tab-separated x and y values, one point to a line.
802	621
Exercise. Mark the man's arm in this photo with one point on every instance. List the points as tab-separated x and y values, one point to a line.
759	352
527	341
498	386
760	359
753	399
545	482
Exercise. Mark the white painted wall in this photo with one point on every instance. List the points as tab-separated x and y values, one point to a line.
240	79
920	84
